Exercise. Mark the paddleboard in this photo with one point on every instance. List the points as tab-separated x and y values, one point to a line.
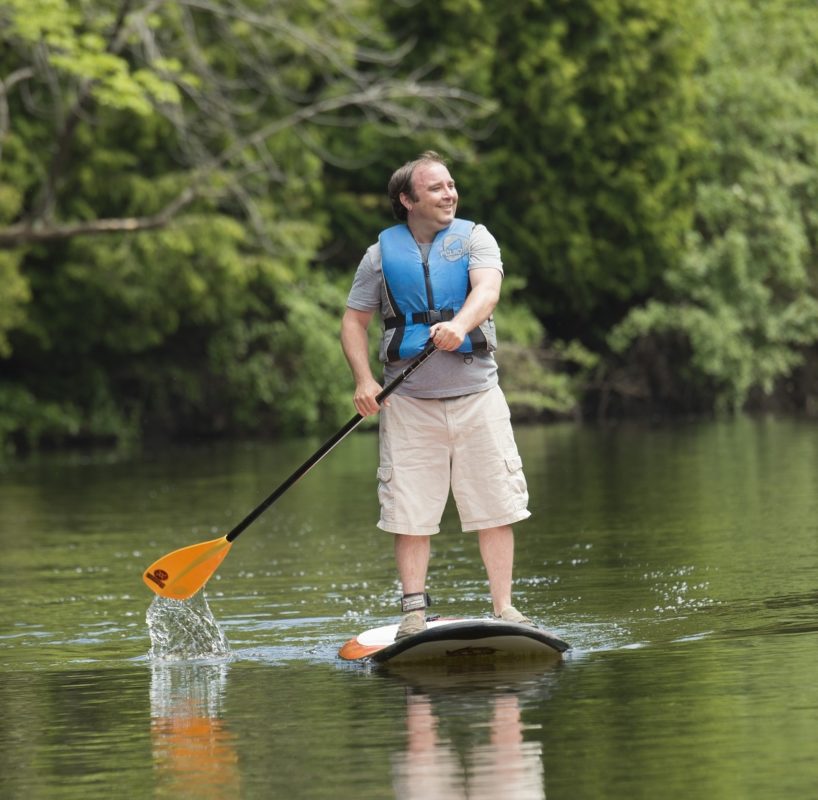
450	639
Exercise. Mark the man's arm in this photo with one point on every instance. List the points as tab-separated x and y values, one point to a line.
479	305
355	342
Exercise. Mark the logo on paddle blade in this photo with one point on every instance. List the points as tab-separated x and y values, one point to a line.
158	576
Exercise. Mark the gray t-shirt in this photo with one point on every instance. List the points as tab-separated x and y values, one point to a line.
444	374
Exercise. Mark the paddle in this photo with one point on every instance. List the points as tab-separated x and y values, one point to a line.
180	574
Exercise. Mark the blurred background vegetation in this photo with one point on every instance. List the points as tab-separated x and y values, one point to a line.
187	187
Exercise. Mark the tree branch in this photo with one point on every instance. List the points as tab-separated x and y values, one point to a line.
228	119
27	233
48	197
15	77
383	98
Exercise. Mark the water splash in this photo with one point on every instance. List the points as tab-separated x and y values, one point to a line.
184	629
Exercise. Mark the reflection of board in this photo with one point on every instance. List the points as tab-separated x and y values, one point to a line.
445	639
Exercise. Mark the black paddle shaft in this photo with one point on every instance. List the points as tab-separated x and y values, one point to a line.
327	446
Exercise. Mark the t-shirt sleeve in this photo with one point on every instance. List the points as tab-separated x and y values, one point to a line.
365	294
484	250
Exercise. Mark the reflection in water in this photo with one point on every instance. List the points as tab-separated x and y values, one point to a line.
194	753
495	761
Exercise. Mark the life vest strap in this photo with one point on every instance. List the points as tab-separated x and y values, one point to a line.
415	317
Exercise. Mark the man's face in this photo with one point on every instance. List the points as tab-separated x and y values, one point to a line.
434	203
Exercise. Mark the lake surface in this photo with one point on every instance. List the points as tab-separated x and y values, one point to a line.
681	563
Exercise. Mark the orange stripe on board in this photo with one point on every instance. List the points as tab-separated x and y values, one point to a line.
353	650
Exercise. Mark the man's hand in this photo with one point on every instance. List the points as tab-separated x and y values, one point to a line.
447	335
364	397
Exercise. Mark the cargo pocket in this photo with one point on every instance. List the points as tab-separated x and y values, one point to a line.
518	489
386	496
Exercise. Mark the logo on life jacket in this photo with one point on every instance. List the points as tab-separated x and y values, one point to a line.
453	247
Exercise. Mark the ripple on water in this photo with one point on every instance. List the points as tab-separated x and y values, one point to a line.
184	629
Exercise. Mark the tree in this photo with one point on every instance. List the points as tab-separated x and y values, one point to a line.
737	314
585	172
225	78
161	203
588	174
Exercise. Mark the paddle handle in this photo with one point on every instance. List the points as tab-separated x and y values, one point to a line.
328	446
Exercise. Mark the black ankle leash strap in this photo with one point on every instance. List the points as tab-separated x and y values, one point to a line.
416	601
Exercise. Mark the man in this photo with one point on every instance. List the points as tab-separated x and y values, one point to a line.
448	425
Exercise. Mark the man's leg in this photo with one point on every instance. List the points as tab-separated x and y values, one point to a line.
497	551
412	559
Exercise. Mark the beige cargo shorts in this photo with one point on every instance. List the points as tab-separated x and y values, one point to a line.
465	444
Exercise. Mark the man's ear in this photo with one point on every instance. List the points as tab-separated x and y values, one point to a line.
406	201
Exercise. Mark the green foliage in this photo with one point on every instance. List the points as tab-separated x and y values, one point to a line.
309	383
216	322
79	49
649	169
546	381
13	299
27	418
181	331
540	378
743	298
591	157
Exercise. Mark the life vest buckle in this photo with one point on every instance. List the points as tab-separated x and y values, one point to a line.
436	315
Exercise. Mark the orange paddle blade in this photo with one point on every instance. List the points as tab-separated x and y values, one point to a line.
181	574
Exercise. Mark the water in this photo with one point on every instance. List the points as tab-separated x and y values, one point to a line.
680	562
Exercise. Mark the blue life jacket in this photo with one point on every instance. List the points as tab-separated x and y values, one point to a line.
422	292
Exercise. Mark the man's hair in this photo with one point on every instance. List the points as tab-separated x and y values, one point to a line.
401	181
